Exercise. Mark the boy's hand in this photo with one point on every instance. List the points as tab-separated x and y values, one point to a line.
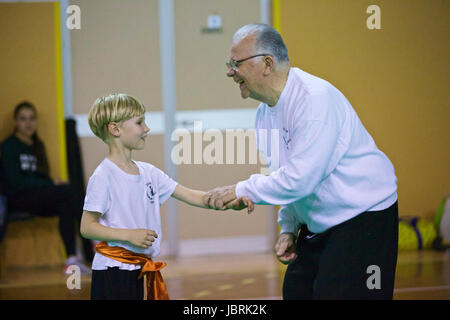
141	237
241	203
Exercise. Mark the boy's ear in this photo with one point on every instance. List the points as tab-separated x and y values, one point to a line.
114	129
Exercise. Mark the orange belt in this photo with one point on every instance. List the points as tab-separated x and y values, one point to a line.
156	288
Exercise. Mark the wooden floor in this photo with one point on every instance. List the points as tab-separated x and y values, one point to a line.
420	275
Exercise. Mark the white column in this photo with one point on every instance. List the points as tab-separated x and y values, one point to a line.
265	11
168	82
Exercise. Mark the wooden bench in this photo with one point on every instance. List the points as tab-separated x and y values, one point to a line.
31	242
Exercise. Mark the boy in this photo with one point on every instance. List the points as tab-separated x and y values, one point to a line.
122	203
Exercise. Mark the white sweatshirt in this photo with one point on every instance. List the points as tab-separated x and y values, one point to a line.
329	169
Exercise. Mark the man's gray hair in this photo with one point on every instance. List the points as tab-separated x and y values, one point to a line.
268	40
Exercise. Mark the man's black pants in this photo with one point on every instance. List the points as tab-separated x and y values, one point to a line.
354	260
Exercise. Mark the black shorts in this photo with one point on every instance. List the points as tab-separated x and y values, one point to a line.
116	284
353	260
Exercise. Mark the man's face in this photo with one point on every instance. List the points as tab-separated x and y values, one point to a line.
248	72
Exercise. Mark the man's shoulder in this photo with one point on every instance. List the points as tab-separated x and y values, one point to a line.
312	84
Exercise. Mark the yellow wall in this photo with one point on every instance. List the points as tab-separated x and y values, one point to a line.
27	64
396	79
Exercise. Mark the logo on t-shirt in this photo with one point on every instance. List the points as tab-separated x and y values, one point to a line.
28	162
150	192
286	137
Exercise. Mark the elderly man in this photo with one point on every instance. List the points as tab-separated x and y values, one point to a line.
336	189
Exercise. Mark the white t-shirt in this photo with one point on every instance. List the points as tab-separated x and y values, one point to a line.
128	201
329	169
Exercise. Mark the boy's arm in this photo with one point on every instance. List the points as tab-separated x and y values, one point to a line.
90	228
189	196
196	198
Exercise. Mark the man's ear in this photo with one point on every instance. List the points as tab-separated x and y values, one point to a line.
114	129
269	64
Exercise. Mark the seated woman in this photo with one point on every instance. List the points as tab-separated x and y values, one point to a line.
28	186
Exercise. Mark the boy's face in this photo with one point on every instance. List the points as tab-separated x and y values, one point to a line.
133	133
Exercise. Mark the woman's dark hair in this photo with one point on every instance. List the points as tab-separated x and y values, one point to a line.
38	145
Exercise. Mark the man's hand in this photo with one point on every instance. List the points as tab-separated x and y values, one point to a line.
284	248
241	203
218	198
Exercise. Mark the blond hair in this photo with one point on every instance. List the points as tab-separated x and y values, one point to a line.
114	107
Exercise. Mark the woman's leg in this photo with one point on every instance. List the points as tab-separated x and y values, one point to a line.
49	201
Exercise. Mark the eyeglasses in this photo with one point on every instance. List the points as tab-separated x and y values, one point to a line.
233	64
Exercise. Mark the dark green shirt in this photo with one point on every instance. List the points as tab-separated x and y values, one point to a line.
19	166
